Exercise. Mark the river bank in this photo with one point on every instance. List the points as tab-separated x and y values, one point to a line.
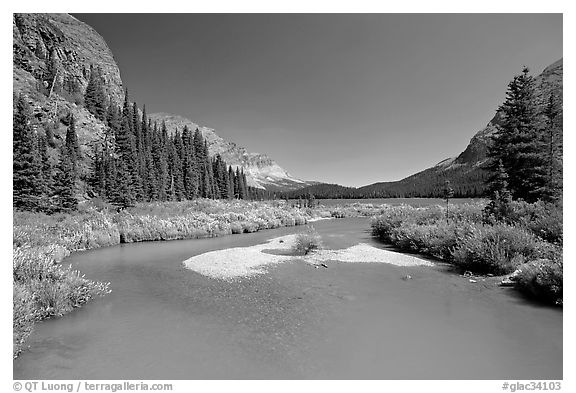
527	243
347	321
42	288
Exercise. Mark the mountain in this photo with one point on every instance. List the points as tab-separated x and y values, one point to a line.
52	59
261	171
52	55
465	170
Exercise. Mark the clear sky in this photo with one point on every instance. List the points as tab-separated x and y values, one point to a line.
341	98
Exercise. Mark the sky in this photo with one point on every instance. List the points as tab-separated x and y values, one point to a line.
351	99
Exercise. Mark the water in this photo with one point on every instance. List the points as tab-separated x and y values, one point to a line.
415	202
350	321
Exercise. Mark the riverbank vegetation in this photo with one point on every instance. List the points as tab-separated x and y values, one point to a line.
44	288
529	241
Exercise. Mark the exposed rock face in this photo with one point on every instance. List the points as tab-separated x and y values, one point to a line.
261	171
71	46
58	49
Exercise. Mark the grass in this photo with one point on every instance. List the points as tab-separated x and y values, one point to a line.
530	241
43	288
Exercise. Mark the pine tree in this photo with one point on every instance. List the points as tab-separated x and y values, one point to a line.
517	143
111	178
230	182
189	168
46	172
175	167
121	193
243	185
448	192
499	208
163	163
97	177
95	98
26	165
72	145
159	162
64	183
237	186
113	118
139	142
552	135
126	167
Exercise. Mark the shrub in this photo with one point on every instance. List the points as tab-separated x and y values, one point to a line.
437	240
542	219
384	224
236	227
307	242
495	249
542	279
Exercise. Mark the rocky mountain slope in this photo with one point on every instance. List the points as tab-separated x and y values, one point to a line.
52	56
261	171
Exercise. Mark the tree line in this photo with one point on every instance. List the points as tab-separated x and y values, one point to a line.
466	183
135	160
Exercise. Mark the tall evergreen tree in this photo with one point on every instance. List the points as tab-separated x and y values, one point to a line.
244	185
175	167
499	208
160	163
139	141
64	198
190	170
114	118
552	141
95	98
97	178
121	193
230	182
26	164
46	170
126	168
72	145
517	143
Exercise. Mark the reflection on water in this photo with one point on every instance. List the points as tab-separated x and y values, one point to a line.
349	321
